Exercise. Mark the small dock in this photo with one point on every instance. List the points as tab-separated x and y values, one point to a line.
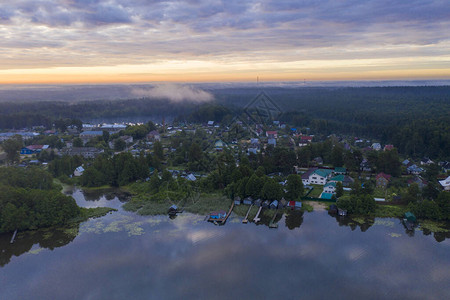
257	218
245	221
272	224
221	220
13	237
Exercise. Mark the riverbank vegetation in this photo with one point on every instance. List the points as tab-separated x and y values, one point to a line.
30	199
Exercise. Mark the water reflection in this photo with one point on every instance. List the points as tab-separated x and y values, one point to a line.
44	239
294	219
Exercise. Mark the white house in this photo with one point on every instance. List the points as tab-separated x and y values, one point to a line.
319	176
78	171
376	146
330	188
445	183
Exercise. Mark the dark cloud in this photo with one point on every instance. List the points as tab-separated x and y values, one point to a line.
151	29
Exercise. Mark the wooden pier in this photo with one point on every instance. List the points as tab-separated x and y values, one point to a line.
272	224
257	218
229	213
246	216
13	237
224	219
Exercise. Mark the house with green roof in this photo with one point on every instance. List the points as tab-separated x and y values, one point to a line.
344	179
340	171
319	176
330	187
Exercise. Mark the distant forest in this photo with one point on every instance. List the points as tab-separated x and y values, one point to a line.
415	119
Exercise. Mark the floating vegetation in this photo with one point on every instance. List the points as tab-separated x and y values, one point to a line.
395	235
134	229
386	223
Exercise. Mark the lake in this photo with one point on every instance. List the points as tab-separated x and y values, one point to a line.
309	256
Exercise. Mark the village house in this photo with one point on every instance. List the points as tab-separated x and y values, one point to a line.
330	188
112	128
86	152
85	136
445	183
344	179
376	146
414	169
317	176
426	161
32	149
304	140
25	135
382	180
272	134
153	136
388	147
78	171
421	183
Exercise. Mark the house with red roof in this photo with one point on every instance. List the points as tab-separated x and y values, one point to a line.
383	180
272	134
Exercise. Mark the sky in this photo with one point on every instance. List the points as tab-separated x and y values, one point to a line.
114	41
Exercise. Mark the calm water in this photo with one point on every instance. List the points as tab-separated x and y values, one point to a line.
310	256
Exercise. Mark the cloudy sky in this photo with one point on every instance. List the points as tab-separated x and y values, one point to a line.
88	41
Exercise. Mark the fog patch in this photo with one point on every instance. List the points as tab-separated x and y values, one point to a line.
174	93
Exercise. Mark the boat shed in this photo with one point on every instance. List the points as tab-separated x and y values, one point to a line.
410	217
274	204
248	201
342	212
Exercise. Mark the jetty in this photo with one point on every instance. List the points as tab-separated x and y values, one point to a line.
246	216
220	218
257	218
13	237
272	224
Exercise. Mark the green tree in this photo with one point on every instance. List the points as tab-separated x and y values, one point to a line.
12	148
294	187
158	150
119	145
105	136
77	142
271	190
339	189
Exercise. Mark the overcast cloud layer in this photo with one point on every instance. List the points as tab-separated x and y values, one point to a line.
79	33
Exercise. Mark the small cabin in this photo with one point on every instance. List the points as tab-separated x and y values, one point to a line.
294	204
265	204
410	217
248	201
217	215
258	202
237	200
274	204
173	210
342	212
